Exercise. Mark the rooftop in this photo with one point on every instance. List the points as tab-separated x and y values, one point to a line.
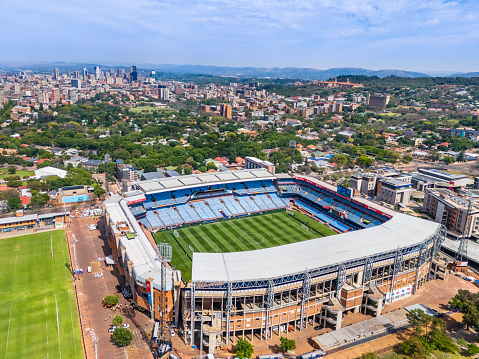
400	232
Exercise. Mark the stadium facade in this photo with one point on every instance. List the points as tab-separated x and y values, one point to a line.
377	256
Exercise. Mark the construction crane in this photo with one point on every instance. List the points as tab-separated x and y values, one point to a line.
165	252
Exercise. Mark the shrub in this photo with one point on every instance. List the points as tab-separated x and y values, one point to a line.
122	337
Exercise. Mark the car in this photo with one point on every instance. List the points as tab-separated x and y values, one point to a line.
172	332
318	327
111	329
126	325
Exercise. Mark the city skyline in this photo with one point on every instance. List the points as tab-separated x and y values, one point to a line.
424	36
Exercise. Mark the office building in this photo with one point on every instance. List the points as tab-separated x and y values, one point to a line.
76	83
394	191
97	72
133	73
163	93
377	102
253	162
57	74
226	111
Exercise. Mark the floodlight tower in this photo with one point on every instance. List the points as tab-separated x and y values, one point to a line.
107	187
165	252
292	145
461	255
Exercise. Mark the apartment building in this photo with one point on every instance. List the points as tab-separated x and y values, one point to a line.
451	210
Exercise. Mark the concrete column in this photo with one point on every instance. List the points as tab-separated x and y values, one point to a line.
380	307
211	343
339	320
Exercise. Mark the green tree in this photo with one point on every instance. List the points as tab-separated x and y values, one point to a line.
99	191
111	300
406	159
244	349
448	160
117	320
14	203
369	355
365	161
472	349
179	169
12	170
211	166
287	344
122	336
188	170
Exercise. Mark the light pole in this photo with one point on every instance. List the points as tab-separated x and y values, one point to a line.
95	340
292	145
107	159
75	255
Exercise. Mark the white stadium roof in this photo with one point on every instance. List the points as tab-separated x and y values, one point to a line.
400	232
204	179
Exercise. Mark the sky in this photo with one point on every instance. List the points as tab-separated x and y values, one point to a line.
414	35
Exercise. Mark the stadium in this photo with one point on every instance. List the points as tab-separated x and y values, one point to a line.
257	254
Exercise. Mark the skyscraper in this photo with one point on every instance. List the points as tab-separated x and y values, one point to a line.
97	72
163	93
133	74
57	74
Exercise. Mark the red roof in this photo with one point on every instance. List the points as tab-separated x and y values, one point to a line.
22	187
25	200
42	160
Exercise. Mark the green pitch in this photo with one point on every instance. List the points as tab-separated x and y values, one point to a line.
38	312
242	234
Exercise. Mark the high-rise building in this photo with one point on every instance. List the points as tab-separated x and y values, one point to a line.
55	95
133	73
85	73
153	74
57	74
121	73
97	72
163	93
76	83
226	111
76	74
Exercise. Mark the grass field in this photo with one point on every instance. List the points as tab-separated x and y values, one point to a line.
20	173
38	313
151	109
242	234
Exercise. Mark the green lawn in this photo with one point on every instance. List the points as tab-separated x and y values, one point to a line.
20	173
236	235
38	313
151	109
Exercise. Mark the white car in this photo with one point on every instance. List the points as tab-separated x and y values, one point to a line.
92	227
172	332
111	329
126	325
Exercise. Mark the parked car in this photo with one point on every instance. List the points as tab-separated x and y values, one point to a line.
172	332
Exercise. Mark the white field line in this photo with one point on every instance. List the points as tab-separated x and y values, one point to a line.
73	330
58	328
8	332
14	271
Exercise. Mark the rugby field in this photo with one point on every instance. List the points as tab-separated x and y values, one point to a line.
242	234
38	312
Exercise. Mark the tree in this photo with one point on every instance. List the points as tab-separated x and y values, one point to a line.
99	191
287	344
188	170
122	336
369	355
211	166
406	159
12	170
415	348
14	203
117	320
365	161
472	349
244	349
111	300
179	170
461	157
448	160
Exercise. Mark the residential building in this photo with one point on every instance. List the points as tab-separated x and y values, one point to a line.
253	162
451	210
226	111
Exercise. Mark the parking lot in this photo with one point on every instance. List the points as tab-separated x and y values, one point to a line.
91	245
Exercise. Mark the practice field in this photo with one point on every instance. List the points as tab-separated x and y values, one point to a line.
38	313
242	234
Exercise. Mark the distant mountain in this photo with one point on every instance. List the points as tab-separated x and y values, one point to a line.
274	72
467	74
277	72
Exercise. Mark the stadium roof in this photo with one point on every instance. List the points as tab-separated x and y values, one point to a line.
400	232
204	179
